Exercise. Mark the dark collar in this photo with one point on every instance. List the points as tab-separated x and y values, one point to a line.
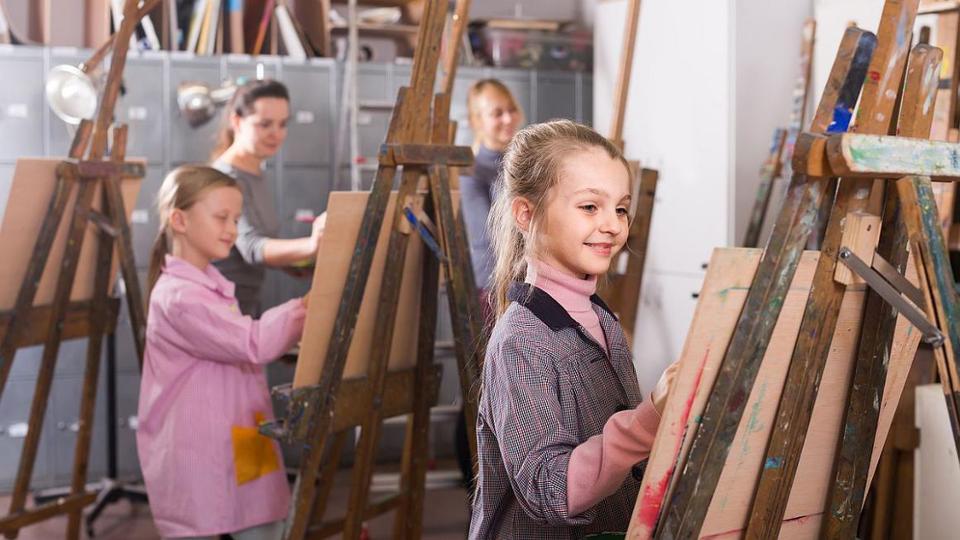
546	308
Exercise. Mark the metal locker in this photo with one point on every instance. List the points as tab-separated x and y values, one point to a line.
63	425
71	358
128	395
187	144
14	418
556	96
22	104
400	76
311	129
518	81
246	67
144	223
141	107
586	98
127	362
372	82
59	133
305	193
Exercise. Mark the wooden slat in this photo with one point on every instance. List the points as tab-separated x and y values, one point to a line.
892	157
426	154
942	304
684	514
853	458
874	116
76	322
12	523
622	89
768	173
459	21
622	291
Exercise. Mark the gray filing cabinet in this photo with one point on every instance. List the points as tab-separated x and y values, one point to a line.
22	107
187	144
141	107
311	129
14	415
144	223
556	96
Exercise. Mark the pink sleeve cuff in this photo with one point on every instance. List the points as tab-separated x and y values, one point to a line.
599	465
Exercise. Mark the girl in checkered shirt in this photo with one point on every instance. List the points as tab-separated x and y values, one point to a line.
562	425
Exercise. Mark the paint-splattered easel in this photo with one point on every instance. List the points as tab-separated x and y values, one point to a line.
29	324
322	412
692	477
621	288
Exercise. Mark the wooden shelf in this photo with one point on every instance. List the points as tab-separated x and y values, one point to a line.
943	6
378	3
382	30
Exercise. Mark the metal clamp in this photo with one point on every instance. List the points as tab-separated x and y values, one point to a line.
892	287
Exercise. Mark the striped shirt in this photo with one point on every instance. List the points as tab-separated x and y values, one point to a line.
547	388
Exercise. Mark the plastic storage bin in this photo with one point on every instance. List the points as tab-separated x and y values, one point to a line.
535	49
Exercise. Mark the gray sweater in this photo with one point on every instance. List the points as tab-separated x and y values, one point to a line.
477	190
244	266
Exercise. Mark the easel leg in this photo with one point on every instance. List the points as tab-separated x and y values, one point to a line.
462	297
408	520
377	370
325	479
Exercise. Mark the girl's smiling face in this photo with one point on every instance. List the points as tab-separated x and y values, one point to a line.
586	219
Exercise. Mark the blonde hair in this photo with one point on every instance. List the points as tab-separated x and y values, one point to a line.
473	103
532	165
181	189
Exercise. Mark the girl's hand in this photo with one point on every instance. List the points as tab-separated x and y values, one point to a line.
306	299
319	224
662	391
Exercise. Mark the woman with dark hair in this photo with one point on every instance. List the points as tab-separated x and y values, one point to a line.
255	126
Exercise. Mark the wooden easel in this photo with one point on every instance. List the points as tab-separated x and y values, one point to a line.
879	332
29	324
621	286
781	146
418	142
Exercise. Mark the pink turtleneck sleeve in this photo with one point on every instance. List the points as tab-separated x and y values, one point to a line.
599	465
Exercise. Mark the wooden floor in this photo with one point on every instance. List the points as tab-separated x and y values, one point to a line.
445	518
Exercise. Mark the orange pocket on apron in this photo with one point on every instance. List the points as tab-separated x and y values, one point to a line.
253	454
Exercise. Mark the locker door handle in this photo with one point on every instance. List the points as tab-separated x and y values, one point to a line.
72	426
17	431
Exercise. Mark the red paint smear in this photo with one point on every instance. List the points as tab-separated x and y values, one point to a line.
652	497
799	520
874	76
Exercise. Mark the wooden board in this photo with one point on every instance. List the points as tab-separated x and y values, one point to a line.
344	213
33	184
725	288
